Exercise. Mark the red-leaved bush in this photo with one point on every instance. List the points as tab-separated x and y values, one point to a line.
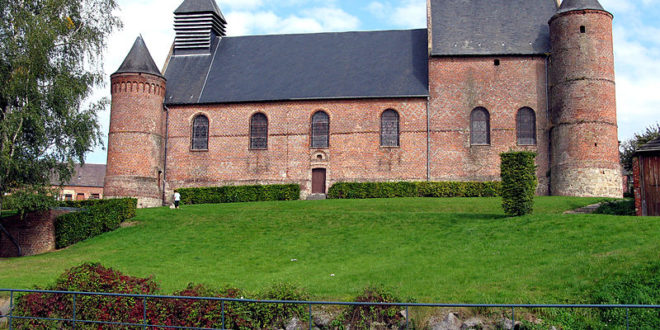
92	277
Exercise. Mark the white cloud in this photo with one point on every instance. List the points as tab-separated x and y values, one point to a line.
239	4
404	13
309	20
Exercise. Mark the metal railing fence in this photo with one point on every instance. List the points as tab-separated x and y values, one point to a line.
223	301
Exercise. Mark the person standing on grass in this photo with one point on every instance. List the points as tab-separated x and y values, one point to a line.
177	199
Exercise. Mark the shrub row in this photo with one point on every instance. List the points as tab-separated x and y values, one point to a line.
93	277
95	218
519	182
617	207
361	190
236	194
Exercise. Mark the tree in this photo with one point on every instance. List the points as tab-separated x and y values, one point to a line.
629	146
50	62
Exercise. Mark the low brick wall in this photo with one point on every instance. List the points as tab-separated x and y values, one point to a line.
35	233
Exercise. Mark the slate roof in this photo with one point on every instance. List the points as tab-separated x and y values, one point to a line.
139	60
491	27
200	6
571	5
88	175
303	66
652	146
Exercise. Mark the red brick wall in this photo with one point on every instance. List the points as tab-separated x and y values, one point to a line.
585	159
637	187
35	234
459	85
136	139
354	153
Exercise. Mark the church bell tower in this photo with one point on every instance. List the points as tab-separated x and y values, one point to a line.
585	152
136	139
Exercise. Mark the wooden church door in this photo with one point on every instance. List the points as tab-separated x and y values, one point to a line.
318	181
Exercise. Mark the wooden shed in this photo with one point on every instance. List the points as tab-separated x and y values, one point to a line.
646	173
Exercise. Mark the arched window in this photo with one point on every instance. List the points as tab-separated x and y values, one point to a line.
320	130
259	131
200	133
479	127
526	126
389	129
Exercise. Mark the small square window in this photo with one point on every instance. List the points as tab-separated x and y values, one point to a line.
583	29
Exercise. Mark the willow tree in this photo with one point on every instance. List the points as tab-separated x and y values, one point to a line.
50	62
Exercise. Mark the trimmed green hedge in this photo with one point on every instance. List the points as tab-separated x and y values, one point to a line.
519	182
362	190
236	194
97	217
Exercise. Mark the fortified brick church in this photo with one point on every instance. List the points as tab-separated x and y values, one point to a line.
438	104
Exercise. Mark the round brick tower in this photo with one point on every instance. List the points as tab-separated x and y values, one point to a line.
136	139
585	148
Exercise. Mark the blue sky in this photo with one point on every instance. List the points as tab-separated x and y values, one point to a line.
636	35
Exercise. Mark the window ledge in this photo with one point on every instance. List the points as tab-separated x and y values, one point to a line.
199	150
390	147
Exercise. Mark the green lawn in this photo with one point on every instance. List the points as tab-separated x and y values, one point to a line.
435	250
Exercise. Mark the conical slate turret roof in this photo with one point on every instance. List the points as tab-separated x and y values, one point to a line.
653	145
139	60
571	5
200	6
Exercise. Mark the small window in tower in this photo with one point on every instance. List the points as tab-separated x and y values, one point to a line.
497	62
583	29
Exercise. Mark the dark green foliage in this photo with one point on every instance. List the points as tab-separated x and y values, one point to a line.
519	182
30	200
639	287
363	317
362	190
628	147
236	194
617	207
95	218
50	63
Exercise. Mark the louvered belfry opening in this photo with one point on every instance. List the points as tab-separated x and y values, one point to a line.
197	23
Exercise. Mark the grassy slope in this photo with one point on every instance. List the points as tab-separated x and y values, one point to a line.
439	250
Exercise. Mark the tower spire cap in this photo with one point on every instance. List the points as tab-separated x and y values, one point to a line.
139	60
573	5
200	6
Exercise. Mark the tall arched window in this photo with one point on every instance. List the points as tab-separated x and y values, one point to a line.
479	127
259	131
200	133
526	126
320	130
389	129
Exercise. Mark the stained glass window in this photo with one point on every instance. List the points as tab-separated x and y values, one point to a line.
259	131
480	127
320	130
200	133
389	129
526	126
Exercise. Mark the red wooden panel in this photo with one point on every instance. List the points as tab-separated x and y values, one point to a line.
651	185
